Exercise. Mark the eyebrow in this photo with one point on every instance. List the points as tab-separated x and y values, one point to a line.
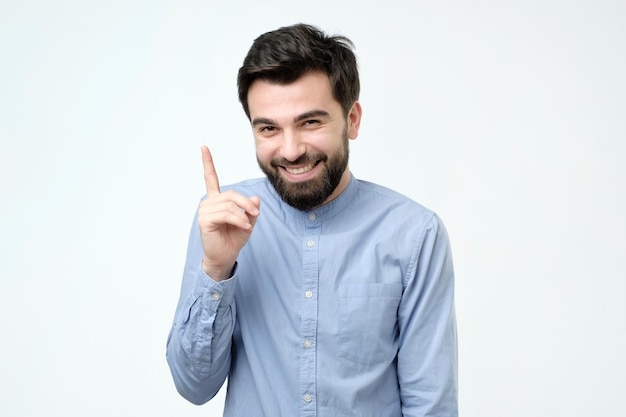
310	114
313	113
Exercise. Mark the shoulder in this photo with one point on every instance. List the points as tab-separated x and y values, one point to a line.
248	187
259	187
396	210
388	199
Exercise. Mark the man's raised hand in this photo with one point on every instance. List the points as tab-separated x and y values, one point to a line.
226	221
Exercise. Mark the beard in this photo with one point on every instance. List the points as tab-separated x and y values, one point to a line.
306	195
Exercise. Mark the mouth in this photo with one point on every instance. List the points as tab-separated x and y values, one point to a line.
302	169
300	172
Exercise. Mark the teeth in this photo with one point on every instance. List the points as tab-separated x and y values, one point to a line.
300	170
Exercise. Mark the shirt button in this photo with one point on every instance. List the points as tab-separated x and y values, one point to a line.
307	398
310	243
308	294
307	344
216	296
312	216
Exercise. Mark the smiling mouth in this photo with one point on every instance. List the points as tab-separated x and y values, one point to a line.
301	170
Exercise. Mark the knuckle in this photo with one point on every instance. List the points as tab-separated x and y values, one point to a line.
233	207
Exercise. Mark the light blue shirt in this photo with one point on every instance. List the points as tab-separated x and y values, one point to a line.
345	310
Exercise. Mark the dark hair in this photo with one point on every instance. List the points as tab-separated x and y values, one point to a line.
284	55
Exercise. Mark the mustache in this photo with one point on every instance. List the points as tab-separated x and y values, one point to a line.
302	160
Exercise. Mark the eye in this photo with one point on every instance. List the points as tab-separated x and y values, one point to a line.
267	129
311	122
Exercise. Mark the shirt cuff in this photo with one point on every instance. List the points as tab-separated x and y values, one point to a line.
222	291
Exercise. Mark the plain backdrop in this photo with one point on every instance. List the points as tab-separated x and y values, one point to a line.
508	118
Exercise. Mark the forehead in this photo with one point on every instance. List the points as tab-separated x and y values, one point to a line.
275	101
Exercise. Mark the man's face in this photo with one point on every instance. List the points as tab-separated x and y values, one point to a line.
302	137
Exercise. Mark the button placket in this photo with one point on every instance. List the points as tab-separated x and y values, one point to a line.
309	312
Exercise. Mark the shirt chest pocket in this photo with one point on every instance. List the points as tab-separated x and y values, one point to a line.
368	322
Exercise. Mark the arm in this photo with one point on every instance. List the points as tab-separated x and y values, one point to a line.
198	346
427	357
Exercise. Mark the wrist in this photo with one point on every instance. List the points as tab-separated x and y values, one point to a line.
218	273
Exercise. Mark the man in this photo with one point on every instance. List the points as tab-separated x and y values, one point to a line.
314	293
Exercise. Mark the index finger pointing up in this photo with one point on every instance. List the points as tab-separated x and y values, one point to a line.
210	176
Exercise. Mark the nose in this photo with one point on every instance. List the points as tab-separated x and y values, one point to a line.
292	147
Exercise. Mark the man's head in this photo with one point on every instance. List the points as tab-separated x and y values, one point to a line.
284	55
299	88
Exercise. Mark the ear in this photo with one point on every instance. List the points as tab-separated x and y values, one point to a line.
354	120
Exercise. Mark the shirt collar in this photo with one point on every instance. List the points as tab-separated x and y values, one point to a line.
330	209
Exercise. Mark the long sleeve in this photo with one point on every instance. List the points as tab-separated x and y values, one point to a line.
427	357
199	342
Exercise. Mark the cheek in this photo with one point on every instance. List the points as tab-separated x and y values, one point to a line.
265	150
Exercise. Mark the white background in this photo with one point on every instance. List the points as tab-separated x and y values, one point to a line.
508	118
